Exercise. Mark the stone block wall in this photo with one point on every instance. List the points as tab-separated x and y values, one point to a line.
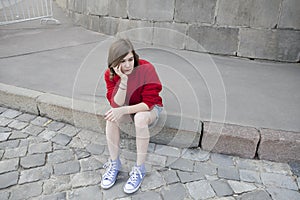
259	29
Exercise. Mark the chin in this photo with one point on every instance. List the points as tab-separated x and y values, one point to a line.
128	72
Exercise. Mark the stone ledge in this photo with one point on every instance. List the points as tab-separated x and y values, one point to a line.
80	113
19	98
230	139
173	130
90	115
280	146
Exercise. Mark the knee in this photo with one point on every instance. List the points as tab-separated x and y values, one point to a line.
141	120
110	124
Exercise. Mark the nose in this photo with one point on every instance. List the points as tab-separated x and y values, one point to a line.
127	64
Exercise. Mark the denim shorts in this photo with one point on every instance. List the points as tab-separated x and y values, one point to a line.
158	110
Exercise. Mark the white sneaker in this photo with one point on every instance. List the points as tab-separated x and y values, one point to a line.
110	176
135	180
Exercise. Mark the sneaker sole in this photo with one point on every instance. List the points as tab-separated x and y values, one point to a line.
134	190
110	185
107	186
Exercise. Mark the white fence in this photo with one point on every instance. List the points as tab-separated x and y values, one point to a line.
14	11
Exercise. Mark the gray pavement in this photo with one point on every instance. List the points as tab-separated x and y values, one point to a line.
69	61
45	159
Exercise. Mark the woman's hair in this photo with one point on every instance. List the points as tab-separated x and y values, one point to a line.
117	51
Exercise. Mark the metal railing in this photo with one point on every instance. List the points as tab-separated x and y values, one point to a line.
14	11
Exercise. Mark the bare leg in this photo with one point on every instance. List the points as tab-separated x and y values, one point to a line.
142	120
113	139
113	136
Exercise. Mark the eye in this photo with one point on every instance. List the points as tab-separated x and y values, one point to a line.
130	59
122	61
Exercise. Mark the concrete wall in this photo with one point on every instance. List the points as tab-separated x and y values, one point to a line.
263	29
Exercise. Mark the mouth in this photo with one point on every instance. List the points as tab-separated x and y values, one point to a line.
127	71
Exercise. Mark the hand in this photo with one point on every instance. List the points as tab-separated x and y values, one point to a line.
114	114
120	73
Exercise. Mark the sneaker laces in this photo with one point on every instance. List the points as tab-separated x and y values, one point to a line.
111	169
134	174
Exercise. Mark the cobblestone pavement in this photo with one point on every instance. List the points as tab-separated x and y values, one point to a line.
46	159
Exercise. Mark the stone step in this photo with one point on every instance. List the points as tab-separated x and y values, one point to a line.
172	130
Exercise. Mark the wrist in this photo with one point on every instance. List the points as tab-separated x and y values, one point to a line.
124	79
126	109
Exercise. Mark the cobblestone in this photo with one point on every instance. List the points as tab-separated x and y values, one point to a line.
81	153
40	121
57	184
60	156
34	160
62	195
146	196
4	129
11	113
87	178
43	147
153	181
66	168
2	109
55	126
175	191
221	160
69	130
167	151
1	154
240	187
229	172
33	130
47	135
91	193
9	144
206	168
15	153
200	190
181	164
195	154
27	190
4	195
8	179
16	124
89	164
249	176
278	180
280	193
9	165
61	139
5	121
186	177
35	174
170	176
18	135
221	188
4	136
47	159
26	117
257	195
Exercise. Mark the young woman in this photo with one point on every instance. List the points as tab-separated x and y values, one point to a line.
133	88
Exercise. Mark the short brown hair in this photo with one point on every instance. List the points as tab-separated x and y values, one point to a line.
117	51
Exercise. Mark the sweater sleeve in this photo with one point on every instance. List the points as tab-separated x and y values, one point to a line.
152	87
110	89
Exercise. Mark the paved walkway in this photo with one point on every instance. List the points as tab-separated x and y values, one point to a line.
69	61
46	159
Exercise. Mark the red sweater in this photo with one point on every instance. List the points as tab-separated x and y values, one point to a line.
143	86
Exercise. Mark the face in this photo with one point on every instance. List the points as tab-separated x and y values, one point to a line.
127	64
